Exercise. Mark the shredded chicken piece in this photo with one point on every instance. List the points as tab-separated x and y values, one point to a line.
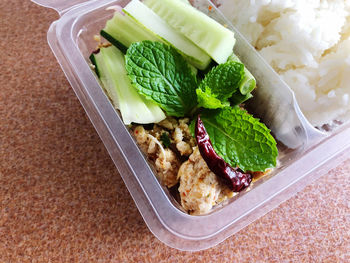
178	137
141	138
169	123
154	141
165	161
184	148
200	189
167	166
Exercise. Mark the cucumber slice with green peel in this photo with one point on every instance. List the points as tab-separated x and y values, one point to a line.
212	37
237	98
123	30
102	71
248	83
110	68
114	41
93	58
144	15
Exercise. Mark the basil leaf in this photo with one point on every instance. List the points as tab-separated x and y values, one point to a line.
162	75
219	85
240	139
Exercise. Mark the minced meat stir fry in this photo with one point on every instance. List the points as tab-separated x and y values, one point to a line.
200	189
180	163
174	154
166	160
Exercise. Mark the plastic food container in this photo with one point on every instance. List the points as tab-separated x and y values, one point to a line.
71	40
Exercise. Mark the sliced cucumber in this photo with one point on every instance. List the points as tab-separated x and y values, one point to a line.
248	83
114	41
122	30
237	98
212	37
110	67
144	15
102	72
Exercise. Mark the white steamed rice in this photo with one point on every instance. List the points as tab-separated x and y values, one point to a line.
308	43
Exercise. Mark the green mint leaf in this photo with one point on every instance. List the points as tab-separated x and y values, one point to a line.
219	85
162	75
207	99
165	139
240	139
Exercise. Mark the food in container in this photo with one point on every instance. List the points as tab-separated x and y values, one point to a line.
304	149
175	73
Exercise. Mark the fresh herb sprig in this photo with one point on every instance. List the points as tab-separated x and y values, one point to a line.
240	139
162	75
219	84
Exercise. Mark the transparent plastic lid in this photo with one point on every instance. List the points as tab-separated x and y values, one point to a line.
61	6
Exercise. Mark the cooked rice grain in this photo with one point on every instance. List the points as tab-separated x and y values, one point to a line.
308	43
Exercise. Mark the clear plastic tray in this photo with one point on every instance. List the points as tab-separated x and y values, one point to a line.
71	40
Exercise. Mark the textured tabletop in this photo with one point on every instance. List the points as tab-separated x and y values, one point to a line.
62	200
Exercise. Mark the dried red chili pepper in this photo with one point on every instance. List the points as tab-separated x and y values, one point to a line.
237	179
